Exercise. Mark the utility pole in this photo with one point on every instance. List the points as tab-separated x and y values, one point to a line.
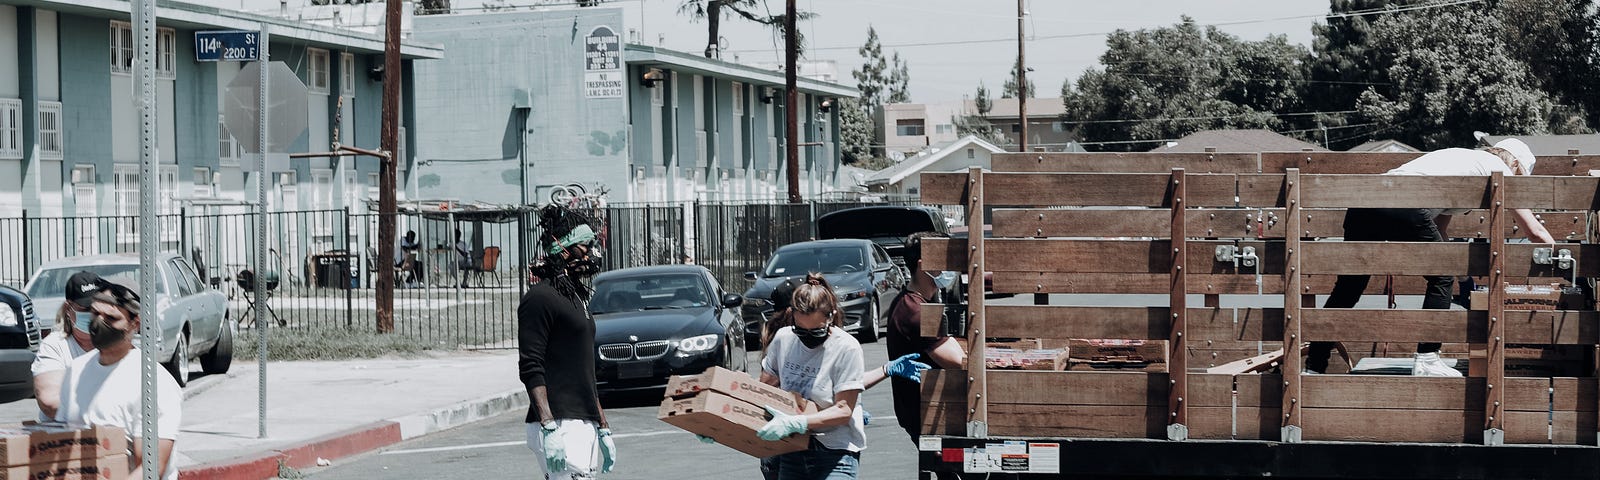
1022	81
143	14
790	109
386	174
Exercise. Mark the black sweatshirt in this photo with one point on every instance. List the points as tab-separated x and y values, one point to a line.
555	340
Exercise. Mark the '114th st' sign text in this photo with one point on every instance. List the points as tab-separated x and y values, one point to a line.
227	46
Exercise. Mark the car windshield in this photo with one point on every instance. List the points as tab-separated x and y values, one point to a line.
628	294
53	282
800	261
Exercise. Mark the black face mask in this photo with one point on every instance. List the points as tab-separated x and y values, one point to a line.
103	335
811	337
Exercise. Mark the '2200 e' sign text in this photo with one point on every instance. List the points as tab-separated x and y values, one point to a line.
227	46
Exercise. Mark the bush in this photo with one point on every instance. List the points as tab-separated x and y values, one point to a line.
332	344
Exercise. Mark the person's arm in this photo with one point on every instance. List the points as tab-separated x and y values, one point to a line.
1530	223
769	379
873	377
163	457
844	405
602	411
533	330
946	353
47	391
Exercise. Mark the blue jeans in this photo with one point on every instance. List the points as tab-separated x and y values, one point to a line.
819	463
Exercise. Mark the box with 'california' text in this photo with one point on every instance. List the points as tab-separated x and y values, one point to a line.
729	421
113	467
51	442
741	386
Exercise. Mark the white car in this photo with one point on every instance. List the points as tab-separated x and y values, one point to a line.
194	318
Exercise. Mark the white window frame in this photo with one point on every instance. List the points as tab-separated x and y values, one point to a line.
738	99
203	188
168	188
122	47
658	94
347	74
227	145
166	53
52	141
372	186
11	128
125	190
317	70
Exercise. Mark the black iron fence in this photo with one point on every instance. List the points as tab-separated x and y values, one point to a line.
459	275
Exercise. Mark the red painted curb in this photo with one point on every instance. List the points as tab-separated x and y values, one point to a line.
265	465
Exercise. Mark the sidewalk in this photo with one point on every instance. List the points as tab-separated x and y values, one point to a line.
330	409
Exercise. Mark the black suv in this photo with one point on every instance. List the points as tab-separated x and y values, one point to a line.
19	340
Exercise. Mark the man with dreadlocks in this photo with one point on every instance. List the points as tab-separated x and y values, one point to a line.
555	338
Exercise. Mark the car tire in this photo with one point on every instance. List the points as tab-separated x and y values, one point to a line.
178	366
868	332
217	361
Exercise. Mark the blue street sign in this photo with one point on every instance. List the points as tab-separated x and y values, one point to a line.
227	46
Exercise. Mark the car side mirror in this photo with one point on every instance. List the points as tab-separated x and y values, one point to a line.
751	276
730	300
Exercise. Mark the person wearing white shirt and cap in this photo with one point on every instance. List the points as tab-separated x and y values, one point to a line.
1510	156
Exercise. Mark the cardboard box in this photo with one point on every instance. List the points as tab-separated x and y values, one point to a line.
1524	360
741	386
112	467
51	442
1531	297
732	422
1115	354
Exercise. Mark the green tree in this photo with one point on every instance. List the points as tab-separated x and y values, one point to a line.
1009	90
856	132
872	79
982	101
978	126
1452	74
1169	82
1344	63
1557	41
899	81
714	11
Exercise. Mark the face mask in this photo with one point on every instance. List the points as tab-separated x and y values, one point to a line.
81	323
103	335
943	280
812	337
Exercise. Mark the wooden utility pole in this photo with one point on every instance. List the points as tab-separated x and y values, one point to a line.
386	174
791	107
1022	82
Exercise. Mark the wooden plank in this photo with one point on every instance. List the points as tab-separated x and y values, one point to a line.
1552	428
1395	258
1078	388
1294	254
1097	256
1235	324
1567	165
1079	189
1384	325
1078	421
1178	300
1392	425
1132	162
1575	193
1393	392
1135	283
1228	423
1259	363
1494	397
1561	394
1147	323
1205	357
1519	261
1262	190
944	418
944	188
944	386
1334	162
977	404
1394	191
1241	223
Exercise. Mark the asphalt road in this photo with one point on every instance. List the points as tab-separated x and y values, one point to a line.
648	448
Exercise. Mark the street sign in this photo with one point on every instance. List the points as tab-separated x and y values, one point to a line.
602	66
286	107
227	46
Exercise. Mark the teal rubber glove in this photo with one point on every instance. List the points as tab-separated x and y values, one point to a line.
906	367
555	451
608	450
781	425
866	417
706	440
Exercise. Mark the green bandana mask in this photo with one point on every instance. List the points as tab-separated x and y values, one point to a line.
581	234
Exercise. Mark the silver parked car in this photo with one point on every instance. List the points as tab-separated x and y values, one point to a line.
194	318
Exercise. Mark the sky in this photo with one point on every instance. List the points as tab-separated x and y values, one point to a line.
972	40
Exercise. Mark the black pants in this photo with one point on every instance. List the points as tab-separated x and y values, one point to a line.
1376	225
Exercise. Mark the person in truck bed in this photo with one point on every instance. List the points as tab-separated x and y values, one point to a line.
1426	225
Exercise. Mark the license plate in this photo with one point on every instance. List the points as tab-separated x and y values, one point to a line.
630	370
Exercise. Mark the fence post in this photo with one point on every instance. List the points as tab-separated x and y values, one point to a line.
692	211
183	233
27	248
349	273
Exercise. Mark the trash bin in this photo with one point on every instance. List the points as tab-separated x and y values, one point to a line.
332	269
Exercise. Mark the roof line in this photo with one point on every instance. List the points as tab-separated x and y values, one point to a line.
645	54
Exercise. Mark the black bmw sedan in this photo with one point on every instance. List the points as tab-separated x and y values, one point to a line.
863	277
654	322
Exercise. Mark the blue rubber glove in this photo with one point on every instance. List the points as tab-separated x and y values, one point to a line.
866	417
781	425
706	440
906	367
608	450
555	451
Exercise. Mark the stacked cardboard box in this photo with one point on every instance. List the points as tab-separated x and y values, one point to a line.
1114	354
1535	360
727	406
1532	297
53	451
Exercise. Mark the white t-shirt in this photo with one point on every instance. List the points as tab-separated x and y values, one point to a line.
1459	162
56	352
95	394
818	374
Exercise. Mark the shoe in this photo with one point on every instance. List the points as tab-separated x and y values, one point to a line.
1430	365
1307	371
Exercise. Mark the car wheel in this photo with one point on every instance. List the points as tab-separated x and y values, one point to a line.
868	332
179	365
220	357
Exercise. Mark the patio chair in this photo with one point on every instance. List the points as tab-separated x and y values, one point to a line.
487	264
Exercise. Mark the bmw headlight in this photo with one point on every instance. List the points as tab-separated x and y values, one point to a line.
848	296
8	317
698	344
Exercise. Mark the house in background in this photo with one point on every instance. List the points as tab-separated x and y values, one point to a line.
903	180
1236	141
908	128
1555	145
528	101
1046	129
1384	146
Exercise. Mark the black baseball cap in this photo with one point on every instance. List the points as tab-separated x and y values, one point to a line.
82	286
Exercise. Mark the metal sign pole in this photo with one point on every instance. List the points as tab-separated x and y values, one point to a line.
144	15
261	322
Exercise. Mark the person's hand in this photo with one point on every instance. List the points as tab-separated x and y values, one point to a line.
704	439
555	452
906	367
781	425
608	450
866	417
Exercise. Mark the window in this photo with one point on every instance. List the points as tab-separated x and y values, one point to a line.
318	70
125	189
1016	128
909	127
181	283
944	128
202	183
657	94
347	74
321	189
970	153
50	130
227	147
121	47
1058	127
372	185
10	128
166	53
169	190
738	99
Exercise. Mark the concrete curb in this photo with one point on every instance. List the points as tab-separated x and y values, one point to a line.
356	441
